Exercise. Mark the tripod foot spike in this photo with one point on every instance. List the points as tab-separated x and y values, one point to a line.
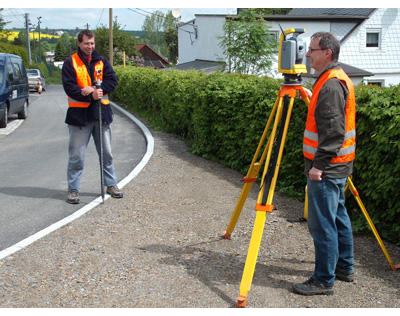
241	301
226	235
395	267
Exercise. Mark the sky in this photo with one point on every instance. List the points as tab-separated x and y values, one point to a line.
70	18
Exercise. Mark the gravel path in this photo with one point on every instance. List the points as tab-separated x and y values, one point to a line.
161	246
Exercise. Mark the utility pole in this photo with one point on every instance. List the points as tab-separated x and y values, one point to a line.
110	38
40	53
27	36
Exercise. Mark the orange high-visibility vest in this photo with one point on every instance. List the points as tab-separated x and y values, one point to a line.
310	140
83	80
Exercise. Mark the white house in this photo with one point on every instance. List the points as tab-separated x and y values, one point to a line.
198	38
375	46
370	38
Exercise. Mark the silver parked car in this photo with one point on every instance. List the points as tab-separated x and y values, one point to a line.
36	80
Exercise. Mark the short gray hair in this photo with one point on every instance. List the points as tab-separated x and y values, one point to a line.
328	41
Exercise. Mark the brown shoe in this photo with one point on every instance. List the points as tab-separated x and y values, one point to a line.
73	197
115	192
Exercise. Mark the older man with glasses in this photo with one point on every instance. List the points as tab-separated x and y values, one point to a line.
329	152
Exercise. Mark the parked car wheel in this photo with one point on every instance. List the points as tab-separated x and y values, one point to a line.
24	113
4	119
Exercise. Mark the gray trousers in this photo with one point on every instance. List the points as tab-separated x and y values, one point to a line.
78	141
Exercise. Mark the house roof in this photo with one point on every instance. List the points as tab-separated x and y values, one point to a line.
200	65
332	12
351	71
356	14
142	49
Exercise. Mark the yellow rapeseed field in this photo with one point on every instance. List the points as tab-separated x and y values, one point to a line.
31	34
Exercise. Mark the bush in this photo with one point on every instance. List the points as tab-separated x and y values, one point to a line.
377	164
16	50
222	117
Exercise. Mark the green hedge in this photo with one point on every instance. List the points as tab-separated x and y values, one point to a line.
16	50
377	164
222	117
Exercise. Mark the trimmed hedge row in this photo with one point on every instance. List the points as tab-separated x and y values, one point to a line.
16	50
222	117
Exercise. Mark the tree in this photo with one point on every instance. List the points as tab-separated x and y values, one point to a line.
247	43
153	26
3	33
170	38
64	48
161	34
122	41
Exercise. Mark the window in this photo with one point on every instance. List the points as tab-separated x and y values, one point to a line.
373	38
17	72
376	82
10	73
273	38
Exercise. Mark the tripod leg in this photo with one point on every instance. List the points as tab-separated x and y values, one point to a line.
242	199
251	175
305	217
262	209
251	259
371	224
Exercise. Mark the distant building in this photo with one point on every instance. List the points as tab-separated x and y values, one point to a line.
151	57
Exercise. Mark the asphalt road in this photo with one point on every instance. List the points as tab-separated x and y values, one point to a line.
33	185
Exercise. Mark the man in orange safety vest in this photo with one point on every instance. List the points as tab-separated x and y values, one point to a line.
329	144
79	75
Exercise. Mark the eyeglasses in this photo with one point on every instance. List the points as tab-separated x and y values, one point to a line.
310	50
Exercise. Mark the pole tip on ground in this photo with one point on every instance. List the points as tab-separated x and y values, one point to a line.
241	301
226	235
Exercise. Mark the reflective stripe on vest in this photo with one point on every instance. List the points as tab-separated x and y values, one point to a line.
83	80
72	103
310	139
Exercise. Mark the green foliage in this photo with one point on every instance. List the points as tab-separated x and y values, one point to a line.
122	41
161	34
377	164
14	49
222	117
247	43
65	47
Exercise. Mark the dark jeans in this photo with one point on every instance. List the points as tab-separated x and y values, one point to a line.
330	227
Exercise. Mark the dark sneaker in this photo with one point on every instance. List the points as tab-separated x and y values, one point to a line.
344	275
73	197
114	192
312	287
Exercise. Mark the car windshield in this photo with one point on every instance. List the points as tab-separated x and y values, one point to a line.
32	73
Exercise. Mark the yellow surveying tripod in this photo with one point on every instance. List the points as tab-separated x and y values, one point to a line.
291	53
